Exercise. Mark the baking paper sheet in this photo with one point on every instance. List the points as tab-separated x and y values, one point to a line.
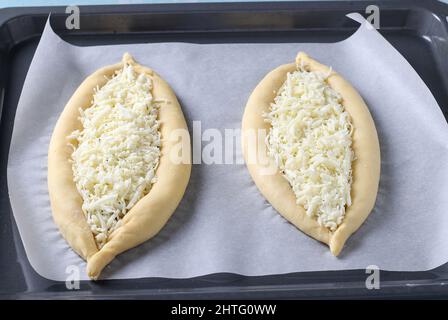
224	224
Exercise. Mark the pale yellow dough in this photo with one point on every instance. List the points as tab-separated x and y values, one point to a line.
276	189
150	214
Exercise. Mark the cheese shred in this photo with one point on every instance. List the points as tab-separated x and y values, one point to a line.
310	141
117	151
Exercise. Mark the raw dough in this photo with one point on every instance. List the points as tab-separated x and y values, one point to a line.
148	215
276	189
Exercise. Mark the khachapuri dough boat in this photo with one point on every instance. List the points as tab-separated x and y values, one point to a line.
111	180
321	141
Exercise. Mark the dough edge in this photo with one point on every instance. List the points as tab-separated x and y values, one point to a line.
150	213
365	169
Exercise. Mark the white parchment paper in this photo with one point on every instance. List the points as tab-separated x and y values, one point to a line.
224	224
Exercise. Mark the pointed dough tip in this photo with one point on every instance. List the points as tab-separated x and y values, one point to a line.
336	246
301	56
92	274
127	58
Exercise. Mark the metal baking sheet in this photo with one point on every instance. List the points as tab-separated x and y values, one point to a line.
415	29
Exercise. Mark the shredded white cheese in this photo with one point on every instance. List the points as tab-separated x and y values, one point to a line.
117	151
310	140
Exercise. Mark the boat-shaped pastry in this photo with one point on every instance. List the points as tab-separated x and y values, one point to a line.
318	163
112	182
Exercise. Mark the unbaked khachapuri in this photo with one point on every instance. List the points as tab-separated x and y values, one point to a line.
323	145
111	180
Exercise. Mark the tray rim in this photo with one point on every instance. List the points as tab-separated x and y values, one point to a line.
9	13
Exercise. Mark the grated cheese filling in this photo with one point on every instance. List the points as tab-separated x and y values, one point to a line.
310	141
117	151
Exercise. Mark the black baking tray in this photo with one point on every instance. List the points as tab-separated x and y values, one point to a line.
418	29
